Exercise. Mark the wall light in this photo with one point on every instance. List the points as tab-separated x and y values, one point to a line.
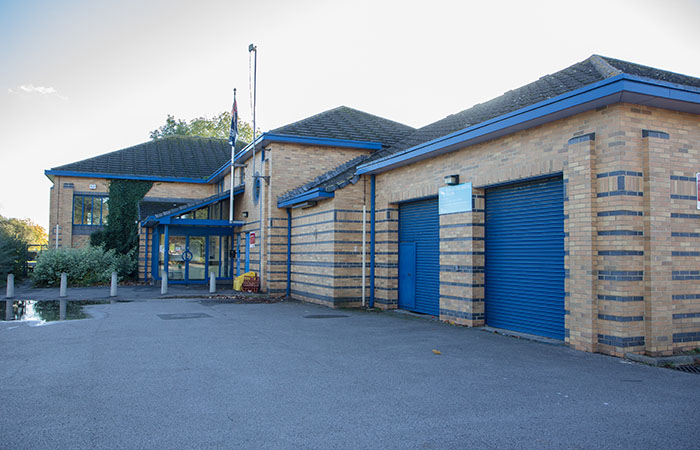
244	213
451	180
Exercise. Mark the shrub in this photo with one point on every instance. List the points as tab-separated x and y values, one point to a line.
86	266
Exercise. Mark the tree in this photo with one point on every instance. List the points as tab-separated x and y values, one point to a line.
15	236
218	126
121	231
24	229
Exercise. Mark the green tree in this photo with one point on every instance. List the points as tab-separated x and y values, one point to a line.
15	235
121	232
218	126
24	229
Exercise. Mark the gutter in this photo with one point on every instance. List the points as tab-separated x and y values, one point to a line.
598	94
313	195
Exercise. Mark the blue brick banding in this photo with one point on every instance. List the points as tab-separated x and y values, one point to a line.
682	178
680	275
685	216
686	337
620	233
620	212
621	298
620	192
686	315
621	275
619	173
621	318
622	342
620	253
461	314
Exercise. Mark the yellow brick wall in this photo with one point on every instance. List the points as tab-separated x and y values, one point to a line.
633	253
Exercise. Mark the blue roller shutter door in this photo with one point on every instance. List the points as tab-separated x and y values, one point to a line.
525	258
419	223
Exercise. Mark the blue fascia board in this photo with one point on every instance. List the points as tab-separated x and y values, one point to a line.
316	194
611	88
267	138
220	172
71	173
207	223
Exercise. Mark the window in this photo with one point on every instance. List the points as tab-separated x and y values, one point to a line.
90	210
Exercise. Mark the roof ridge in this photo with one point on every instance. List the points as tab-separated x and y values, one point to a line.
604	68
339	108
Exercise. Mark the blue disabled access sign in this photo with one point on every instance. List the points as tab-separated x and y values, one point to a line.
455	199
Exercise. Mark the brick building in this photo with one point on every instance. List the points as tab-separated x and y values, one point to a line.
565	208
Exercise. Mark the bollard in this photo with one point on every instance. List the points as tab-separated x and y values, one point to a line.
164	285
63	291
10	286
62	310
113	288
9	313
212	282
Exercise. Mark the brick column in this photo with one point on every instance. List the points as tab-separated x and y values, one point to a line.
580	212
658	264
462	265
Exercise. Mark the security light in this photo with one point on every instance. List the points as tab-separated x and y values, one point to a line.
451	180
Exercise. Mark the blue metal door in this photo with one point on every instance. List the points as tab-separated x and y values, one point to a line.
525	257
407	275
419	223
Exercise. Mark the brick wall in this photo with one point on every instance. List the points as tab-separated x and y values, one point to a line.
632	235
327	249
288	166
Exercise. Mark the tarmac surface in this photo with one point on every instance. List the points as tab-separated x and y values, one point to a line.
193	373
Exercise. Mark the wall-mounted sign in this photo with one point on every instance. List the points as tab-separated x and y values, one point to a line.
697	183
252	238
93	187
455	199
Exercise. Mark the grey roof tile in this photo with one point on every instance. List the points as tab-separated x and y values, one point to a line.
348	123
173	156
593	69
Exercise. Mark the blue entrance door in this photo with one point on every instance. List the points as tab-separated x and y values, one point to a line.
407	275
419	225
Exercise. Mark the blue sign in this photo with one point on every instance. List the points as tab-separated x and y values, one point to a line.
455	199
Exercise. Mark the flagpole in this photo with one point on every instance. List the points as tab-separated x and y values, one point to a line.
233	150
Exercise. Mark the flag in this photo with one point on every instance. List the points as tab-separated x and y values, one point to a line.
233	137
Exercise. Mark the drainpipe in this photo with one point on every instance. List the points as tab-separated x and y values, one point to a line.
289	252
145	258
371	242
166	252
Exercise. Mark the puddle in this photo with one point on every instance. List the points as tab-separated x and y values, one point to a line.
47	311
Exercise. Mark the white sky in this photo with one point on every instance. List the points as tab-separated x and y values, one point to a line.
82	78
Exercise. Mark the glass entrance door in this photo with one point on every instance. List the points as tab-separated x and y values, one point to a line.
197	264
191	257
177	266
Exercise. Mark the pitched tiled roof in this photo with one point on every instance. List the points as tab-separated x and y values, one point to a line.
152	207
173	156
348	123
595	68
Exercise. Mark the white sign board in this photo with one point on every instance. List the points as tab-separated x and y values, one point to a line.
455	199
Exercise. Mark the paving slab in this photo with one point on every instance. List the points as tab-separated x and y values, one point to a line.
281	375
